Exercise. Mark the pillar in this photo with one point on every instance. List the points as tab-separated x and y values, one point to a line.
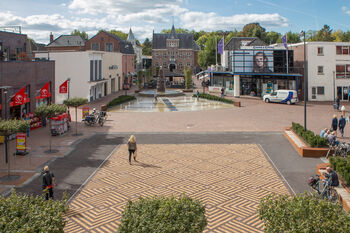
237	85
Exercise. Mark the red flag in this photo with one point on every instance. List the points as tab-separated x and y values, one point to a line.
44	91
20	97
64	87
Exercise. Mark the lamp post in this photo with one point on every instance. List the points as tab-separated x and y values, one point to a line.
5	88
304	73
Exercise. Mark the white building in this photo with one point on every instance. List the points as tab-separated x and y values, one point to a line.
137	48
92	74
328	69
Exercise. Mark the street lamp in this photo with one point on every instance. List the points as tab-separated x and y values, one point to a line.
304	73
5	88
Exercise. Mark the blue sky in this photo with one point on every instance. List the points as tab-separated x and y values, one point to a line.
40	17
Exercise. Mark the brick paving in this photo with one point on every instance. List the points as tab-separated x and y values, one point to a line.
229	179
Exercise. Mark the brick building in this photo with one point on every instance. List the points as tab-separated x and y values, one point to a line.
11	45
174	52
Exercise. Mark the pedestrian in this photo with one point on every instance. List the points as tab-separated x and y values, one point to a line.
342	124
48	183
334	123
222	92
155	96
342	109
132	147
197	94
338	102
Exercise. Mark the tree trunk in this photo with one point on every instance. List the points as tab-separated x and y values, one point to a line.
50	133
76	121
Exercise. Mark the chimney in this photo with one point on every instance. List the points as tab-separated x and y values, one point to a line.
51	37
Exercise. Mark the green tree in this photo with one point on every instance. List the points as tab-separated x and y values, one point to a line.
325	34
121	34
177	30
346	36
272	37
206	56
302	213
49	111
231	34
75	102
9	127
83	34
338	35
254	30
147	47
188	78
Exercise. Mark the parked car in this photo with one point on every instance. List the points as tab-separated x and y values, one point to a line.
281	96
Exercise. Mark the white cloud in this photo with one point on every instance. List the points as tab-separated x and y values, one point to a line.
249	4
212	22
346	10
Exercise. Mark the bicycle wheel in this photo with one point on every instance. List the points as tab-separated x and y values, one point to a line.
332	195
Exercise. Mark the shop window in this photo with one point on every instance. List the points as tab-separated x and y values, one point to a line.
320	51
319	69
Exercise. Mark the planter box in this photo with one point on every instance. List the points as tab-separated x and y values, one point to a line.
302	147
237	103
187	90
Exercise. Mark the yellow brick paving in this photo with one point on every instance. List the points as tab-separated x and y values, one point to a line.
230	179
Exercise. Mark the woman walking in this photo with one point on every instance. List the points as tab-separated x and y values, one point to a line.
132	147
335	123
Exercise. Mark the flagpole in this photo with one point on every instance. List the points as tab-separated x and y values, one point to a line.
216	52
287	55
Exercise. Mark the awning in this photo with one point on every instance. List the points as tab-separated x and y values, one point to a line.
19	98
44	92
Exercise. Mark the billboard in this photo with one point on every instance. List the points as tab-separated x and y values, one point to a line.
252	61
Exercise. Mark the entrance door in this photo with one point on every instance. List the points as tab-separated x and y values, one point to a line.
105	88
339	92
112	85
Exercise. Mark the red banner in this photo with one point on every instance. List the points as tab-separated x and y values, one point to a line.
19	98
64	87
44	91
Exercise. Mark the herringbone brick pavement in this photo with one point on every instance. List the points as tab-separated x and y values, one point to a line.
229	179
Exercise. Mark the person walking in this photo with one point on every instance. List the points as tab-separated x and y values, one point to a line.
197	94
342	123
222	92
48	183
338	102
132	147
334	123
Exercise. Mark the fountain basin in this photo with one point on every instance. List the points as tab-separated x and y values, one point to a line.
167	93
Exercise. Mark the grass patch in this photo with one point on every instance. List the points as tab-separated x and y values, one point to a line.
121	99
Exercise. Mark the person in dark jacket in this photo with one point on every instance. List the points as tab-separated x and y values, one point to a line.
342	123
338	102
331	177
335	123
48	183
132	147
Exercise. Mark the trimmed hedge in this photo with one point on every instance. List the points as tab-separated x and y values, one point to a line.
342	167
121	99
302	213
23	213
214	97
163	214
309	136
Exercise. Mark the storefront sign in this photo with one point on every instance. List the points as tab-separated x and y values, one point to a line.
21	139
19	98
44	91
85	112
64	87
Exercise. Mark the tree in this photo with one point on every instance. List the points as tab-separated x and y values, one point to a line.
272	37
9	127
302	213
177	30
147	47
325	34
206	57
253	30
121	34
75	102
338	35
188	78
49	111
83	34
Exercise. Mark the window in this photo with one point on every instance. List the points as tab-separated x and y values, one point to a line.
157	64
180	66
109	47
188	64
345	50
188	55
339	50
100	69
319	69
320	90
157	55
91	70
180	54
164	65
95	46
342	71
316	91
18	50
320	51
342	50
164	54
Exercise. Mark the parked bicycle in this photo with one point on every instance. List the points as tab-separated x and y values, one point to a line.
325	191
341	149
95	117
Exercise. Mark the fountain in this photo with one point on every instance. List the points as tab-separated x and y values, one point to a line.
160	90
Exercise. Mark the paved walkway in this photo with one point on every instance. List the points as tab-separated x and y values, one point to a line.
228	179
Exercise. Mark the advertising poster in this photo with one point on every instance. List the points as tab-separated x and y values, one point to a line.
85	112
252	61
21	142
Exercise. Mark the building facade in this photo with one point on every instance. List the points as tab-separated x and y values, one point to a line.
66	43
327	69
174	52
137	49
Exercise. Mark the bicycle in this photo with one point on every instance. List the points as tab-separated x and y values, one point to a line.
342	149
327	192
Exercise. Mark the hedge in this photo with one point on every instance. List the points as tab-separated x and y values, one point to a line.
342	167
121	99
163	215
214	97
302	213
309	136
23	213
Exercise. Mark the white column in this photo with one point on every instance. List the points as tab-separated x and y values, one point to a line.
237	85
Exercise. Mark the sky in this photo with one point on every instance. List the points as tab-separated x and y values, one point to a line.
38	18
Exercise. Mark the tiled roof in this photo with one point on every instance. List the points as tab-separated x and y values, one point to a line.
67	40
235	42
125	46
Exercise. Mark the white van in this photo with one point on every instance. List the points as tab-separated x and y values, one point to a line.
282	96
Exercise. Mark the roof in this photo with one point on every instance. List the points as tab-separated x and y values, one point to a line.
186	41
130	36
67	40
125	46
235	42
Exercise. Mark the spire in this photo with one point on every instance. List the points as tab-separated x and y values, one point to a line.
173	33
131	36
